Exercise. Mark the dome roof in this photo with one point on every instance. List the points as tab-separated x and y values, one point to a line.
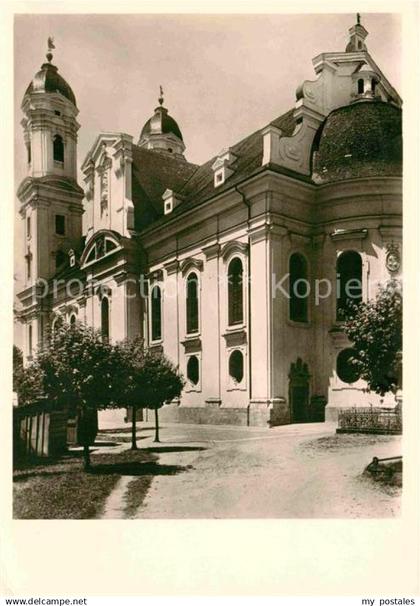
48	80
363	139
161	123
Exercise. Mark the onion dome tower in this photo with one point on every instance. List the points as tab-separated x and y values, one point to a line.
162	133
50	198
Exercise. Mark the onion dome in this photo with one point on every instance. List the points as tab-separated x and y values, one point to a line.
161	123
48	80
363	139
161	132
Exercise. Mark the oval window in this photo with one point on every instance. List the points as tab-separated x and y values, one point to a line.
236	365
193	372
346	371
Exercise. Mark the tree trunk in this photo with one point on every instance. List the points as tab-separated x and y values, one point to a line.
157	425
133	428
86	457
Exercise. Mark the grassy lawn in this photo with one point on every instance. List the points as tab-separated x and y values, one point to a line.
60	489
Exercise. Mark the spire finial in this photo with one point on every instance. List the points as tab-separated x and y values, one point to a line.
161	95
358	18
51	46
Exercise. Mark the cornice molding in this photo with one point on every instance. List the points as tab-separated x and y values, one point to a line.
232	247
348	234
211	250
191	263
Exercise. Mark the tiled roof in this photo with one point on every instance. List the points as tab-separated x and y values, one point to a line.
249	154
359	140
154	172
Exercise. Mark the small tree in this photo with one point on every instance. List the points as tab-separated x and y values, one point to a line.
160	383
77	371
375	328
131	356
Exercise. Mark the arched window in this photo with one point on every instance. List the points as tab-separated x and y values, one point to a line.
193	370
235	292
192	303
105	319
360	86
298	288
346	371
58	148
156	313
349	282
236	365
73	320
373	85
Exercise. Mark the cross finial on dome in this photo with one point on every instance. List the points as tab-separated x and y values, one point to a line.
51	46
161	95
358	18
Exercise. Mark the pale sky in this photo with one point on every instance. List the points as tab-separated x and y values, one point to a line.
224	76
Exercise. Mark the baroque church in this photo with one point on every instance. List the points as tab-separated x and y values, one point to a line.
238	269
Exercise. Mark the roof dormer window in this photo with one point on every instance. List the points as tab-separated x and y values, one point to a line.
170	200
222	167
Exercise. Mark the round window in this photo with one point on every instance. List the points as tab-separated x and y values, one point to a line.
193	370
346	371
236	366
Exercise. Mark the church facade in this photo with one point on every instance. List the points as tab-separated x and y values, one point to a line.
239	270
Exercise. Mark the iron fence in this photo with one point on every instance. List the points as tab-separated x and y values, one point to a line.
370	420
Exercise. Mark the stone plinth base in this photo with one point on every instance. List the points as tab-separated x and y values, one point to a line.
259	413
204	415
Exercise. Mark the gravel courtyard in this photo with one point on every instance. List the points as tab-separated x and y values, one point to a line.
295	471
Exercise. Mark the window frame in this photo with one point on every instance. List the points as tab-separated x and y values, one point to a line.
241	322
346	351
159	339
232	383
341	307
197	330
190	386
58	151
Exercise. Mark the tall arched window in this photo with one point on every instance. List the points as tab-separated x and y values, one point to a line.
73	320
349	282
360	86
192	303
105	319
235	292
58	148
298	288
156	313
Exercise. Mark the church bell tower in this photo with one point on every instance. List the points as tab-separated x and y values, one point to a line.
50	198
